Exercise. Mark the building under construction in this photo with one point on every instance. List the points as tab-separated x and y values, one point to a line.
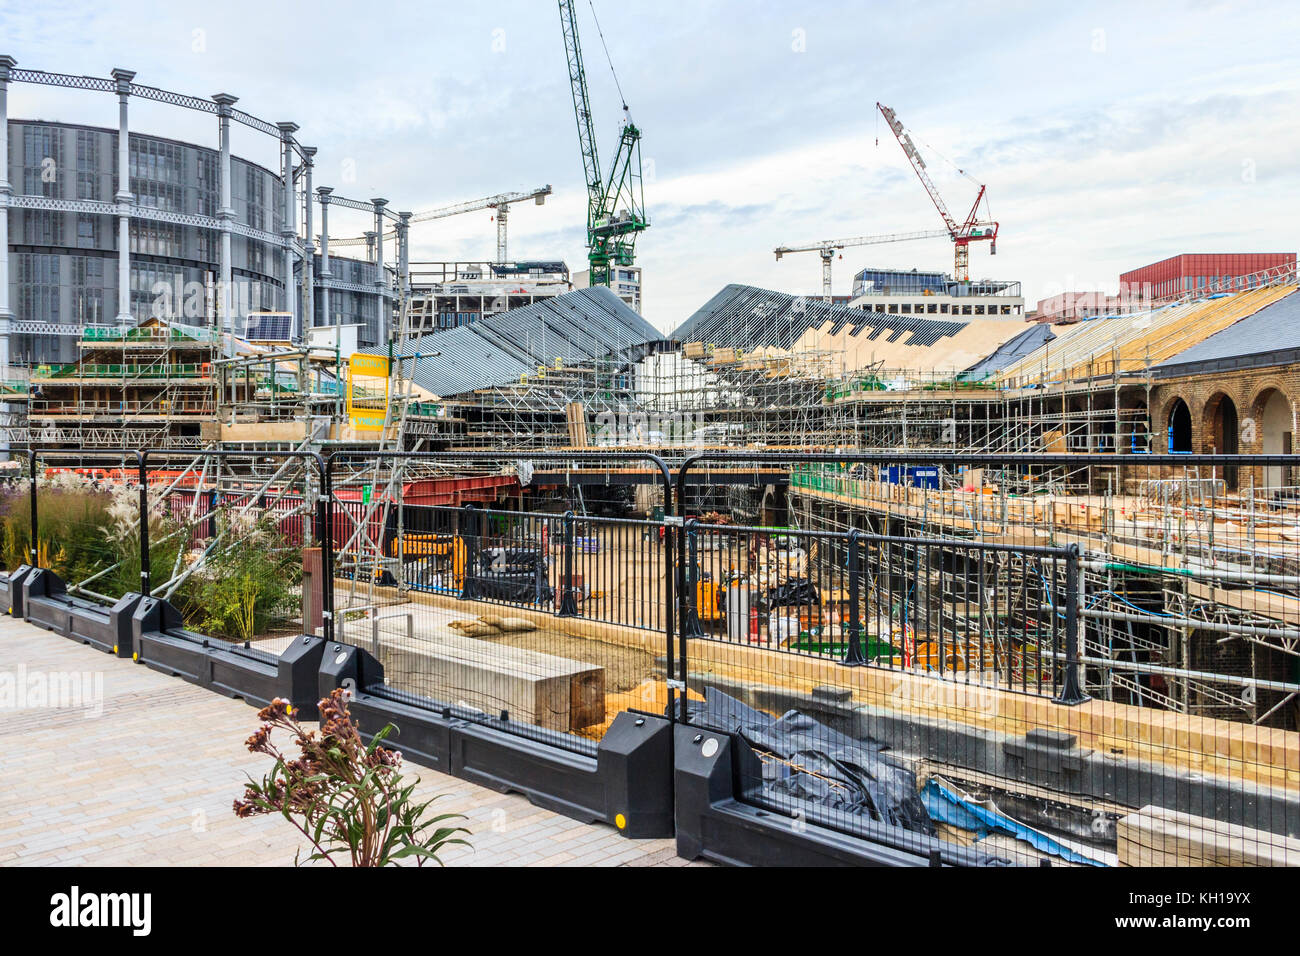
772	374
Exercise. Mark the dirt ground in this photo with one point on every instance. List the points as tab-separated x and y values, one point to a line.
625	667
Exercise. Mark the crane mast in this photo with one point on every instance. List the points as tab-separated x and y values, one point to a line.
615	203
971	229
582	110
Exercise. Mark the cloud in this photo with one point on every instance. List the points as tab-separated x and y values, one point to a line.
1109	134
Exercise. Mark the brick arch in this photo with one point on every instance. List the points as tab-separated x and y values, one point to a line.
1213	402
1220	428
1269	438
1261	392
1162	426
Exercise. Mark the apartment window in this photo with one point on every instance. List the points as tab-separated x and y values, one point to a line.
208	185
979	310
42	161
87	164
255	195
42	228
87	232
907	308
965	310
943	308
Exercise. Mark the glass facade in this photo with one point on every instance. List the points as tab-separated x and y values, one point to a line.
913	282
63	265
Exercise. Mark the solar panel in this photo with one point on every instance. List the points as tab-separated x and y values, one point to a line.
269	327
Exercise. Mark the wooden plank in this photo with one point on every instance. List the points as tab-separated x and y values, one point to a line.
536	688
1281	607
1157	836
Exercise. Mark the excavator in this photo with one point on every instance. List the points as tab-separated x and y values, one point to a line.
503	571
450	548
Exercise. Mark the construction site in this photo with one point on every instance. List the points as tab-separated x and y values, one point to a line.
909	513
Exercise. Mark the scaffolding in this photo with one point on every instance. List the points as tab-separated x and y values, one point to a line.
147	386
1191	591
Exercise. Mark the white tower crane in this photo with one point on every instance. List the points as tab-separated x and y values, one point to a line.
499	204
829	247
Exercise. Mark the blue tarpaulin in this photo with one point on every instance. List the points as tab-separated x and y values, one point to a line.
948	806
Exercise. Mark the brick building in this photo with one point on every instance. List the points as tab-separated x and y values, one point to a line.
1237	392
1065	307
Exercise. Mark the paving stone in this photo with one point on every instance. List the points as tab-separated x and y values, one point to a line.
127	784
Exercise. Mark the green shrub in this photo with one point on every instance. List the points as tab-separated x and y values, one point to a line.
252	584
72	537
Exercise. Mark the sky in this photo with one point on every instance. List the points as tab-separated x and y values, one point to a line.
1109	135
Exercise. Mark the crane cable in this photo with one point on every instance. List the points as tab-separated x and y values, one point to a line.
987	207
613	73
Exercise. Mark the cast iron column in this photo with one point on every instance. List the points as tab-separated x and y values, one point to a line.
124	198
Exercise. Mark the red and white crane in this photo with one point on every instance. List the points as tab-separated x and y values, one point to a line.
972	229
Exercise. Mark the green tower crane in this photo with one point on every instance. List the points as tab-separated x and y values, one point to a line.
615	203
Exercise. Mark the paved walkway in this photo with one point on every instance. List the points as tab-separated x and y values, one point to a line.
142	769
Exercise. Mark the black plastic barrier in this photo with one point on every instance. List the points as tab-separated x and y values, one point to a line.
714	822
255	676
12	586
627	784
46	603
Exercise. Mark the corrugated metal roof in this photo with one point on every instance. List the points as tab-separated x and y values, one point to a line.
746	317
1027	341
575	327
1271	336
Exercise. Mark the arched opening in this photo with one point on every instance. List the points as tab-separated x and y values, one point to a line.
1180	427
1274	420
1221	414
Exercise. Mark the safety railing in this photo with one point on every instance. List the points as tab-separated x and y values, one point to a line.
995	659
945	645
535	621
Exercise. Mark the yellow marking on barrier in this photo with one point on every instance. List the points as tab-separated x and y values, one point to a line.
620	821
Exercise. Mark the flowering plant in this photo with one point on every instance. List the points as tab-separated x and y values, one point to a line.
345	797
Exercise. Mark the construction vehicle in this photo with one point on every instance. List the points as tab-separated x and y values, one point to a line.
710	599
448	552
439	562
971	229
615	201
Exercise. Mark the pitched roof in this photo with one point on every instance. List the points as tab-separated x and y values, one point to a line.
1035	336
576	328
1270	336
746	317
